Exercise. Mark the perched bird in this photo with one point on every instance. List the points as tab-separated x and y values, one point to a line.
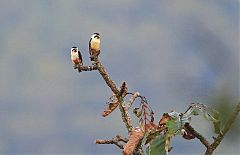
94	46
76	58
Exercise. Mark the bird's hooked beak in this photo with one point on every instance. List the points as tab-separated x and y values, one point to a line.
97	36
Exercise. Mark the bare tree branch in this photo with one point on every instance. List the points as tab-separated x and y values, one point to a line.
125	115
121	93
217	141
106	76
202	139
87	68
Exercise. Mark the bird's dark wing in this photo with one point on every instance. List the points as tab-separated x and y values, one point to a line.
90	51
80	57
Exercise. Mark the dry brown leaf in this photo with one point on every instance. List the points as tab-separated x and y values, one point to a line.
151	126
123	89
135	137
138	112
164	119
111	107
188	134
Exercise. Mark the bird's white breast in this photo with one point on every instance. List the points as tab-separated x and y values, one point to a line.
74	55
95	44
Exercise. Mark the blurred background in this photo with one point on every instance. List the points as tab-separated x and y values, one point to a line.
173	52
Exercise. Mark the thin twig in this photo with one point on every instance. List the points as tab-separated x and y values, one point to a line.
115	141
125	140
119	141
132	99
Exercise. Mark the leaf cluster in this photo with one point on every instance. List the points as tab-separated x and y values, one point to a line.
157	137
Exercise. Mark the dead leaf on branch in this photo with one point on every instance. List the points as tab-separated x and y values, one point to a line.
137	112
151	126
187	134
164	119
135	137
123	90
145	115
112	105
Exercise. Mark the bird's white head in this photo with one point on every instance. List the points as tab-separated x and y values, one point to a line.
96	35
74	49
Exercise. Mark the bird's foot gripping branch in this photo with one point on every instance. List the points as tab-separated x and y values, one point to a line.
156	136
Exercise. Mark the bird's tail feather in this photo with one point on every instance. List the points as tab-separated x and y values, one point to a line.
78	67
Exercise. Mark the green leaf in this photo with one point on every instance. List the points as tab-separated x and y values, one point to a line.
173	126
215	118
196	112
208	113
149	136
157	146
217	127
217	123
